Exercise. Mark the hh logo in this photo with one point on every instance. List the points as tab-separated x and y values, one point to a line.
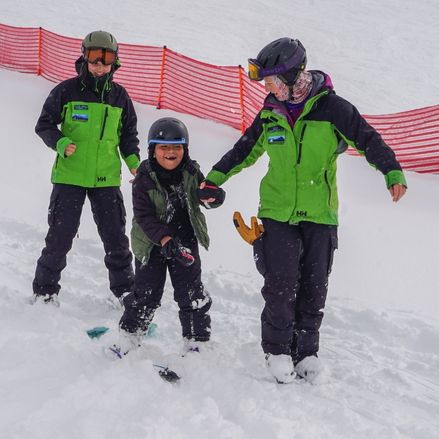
102	179
301	213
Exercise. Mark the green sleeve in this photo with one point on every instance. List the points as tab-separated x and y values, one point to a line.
132	161
395	177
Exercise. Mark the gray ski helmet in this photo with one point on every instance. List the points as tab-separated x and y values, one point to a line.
100	40
167	130
284	52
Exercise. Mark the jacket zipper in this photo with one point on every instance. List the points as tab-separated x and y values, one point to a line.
100	138
299	154
104	123
329	188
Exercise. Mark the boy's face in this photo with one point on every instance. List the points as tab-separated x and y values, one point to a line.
168	156
98	69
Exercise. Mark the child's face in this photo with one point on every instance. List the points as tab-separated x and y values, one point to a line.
168	156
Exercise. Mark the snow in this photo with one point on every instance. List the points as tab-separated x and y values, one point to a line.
380	335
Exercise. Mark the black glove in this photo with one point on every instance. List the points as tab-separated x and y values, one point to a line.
174	249
211	190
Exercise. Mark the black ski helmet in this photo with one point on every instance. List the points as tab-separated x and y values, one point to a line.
284	51
167	130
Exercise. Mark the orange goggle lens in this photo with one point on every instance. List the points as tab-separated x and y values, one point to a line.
105	56
254	71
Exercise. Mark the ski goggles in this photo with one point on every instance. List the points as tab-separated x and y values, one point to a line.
256	72
175	142
105	56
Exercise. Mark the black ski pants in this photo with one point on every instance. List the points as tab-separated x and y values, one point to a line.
193	300
109	214
297	260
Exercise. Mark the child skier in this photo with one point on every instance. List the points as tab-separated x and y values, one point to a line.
167	227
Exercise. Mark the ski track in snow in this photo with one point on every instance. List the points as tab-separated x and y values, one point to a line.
383	382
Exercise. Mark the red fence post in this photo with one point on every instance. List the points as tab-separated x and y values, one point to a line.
162	78
39	50
241	97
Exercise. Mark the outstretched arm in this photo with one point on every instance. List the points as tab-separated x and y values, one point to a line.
244	153
356	132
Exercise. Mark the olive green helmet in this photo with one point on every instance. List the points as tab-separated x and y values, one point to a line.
99	40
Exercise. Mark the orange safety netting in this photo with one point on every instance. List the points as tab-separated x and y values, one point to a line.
161	77
413	135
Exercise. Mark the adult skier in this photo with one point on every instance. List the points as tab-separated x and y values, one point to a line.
89	121
303	127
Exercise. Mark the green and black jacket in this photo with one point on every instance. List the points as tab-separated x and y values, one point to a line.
150	207
300	184
98	116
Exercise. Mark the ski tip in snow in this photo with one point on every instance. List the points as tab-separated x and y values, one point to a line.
97	331
167	374
116	351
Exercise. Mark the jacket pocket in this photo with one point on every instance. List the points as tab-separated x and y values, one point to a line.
328	186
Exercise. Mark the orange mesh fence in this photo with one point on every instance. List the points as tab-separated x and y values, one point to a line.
57	56
19	48
201	89
141	72
413	135
161	77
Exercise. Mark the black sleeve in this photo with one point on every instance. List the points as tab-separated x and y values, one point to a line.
51	116
243	149
200	177
128	137
350	124
145	212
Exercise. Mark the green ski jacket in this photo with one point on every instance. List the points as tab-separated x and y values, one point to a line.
97	115
300	184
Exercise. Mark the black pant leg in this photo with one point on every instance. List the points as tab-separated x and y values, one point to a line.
319	242
141	304
282	248
193	300
110	217
65	209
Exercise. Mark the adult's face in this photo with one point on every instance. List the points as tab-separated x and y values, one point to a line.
275	86
98	69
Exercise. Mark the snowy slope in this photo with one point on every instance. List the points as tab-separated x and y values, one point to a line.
380	335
